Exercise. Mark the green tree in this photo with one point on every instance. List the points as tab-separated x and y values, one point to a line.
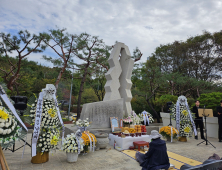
63	44
162	100
211	100
23	44
94	50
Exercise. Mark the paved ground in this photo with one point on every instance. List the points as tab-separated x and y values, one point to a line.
112	159
191	150
98	160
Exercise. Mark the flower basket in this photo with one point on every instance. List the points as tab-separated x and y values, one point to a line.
183	139
40	158
71	157
166	132
73	145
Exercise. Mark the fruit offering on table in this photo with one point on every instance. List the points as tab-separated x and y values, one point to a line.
143	128
138	128
132	126
125	128
132	130
126	132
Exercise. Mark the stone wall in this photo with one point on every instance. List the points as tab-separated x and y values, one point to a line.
99	113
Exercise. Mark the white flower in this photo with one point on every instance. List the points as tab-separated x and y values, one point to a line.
1	131
7	125
9	131
40	145
2	124
5	131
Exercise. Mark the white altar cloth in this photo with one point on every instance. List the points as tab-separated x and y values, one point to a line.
126	142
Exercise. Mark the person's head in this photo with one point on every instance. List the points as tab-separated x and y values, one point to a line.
197	103
221	102
155	135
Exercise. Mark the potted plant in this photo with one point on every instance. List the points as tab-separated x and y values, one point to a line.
82	124
166	132
73	144
127	121
89	141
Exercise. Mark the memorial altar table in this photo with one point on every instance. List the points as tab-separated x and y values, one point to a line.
126	142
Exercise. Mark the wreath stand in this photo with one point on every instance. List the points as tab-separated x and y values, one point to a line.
4	164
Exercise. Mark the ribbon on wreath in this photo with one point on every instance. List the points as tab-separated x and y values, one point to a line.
78	136
172	128
178	116
90	141
37	125
145	117
93	142
191	119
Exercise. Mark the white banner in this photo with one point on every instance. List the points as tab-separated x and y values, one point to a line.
191	119
172	132
59	115
10	106
145	117
79	146
178	116
93	142
37	125
89	141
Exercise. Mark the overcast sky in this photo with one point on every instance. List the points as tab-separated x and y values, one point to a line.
142	23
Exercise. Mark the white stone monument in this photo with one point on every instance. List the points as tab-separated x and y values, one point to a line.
116	102
118	77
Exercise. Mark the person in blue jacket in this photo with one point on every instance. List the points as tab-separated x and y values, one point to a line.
156	158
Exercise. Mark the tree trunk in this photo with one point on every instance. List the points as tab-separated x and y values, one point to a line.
60	75
15	76
156	114
80	93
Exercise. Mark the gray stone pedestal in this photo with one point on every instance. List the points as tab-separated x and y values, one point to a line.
99	113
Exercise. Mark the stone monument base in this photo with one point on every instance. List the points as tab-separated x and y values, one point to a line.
99	113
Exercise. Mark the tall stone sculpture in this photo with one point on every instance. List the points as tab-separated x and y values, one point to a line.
116	102
118	77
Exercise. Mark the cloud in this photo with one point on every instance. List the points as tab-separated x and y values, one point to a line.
142	23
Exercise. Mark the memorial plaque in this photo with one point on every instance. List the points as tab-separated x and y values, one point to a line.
99	113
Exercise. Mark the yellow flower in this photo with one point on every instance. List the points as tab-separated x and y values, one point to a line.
54	140
187	129
185	112
52	112
74	118
3	115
